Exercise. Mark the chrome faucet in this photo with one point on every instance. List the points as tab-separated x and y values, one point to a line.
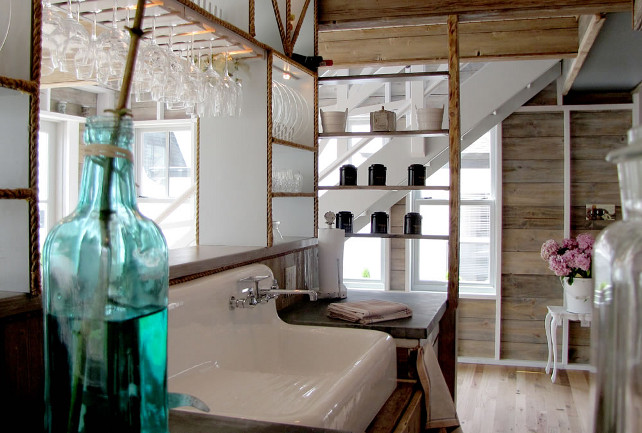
274	292
253	295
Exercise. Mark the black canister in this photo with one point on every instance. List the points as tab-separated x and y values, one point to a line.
344	221
412	223
348	175
379	222
416	174
377	174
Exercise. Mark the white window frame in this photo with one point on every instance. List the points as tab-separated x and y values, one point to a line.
481	291
380	284
141	127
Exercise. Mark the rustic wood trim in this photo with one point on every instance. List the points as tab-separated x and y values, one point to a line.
287	47
190	277
525	38
385	187
316	141
292	144
339	14
19	304
448	323
591	29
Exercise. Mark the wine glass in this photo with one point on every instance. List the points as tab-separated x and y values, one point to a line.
51	35
193	81
214	87
229	100
112	48
277	110
74	38
85	59
151	70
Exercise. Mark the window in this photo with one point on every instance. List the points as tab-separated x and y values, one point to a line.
478	232
165	174
364	262
47	137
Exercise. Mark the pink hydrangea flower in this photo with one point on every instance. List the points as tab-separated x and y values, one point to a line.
572	258
558	266
569	243
549	248
585	242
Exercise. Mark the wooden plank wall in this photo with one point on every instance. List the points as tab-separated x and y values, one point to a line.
397	254
533	177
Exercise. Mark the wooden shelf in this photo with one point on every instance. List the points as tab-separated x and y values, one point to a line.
417	133
384	187
383	78
293	144
293	194
396	236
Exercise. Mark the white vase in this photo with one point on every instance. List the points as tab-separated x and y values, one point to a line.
578	297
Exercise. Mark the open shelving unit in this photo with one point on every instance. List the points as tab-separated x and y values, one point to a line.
447	338
384	188
295	211
396	236
385	134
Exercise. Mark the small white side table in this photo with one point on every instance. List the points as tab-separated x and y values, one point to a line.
555	317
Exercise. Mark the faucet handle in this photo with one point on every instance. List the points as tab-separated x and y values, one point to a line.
275	284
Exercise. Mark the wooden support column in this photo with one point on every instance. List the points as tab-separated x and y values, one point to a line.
448	324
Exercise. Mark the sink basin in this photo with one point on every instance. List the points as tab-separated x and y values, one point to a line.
248	363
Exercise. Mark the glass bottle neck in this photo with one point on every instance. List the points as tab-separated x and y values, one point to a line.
95	192
630	176
108	172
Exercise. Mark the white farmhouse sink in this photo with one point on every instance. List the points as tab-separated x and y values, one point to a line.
248	363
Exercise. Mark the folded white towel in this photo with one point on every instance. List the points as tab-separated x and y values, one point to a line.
369	311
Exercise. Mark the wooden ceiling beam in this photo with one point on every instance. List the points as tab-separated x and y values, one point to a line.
341	14
589	27
482	41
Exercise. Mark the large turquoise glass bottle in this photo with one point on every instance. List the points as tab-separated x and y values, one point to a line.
105	281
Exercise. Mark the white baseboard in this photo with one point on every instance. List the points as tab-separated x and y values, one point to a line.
522	363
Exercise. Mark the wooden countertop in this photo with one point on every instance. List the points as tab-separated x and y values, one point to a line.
427	309
212	258
191	422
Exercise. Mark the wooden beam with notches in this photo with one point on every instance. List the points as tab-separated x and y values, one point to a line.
341	14
489	40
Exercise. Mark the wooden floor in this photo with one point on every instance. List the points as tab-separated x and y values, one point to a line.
494	399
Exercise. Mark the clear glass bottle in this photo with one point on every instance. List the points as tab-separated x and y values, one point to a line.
617	305
105	278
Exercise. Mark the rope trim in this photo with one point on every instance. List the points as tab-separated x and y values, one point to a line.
34	126
17	194
108	150
270	143
26	86
197	233
252	18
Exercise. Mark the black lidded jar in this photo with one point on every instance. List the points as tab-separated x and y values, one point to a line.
417	174
412	223
379	222
348	175
377	174
344	221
